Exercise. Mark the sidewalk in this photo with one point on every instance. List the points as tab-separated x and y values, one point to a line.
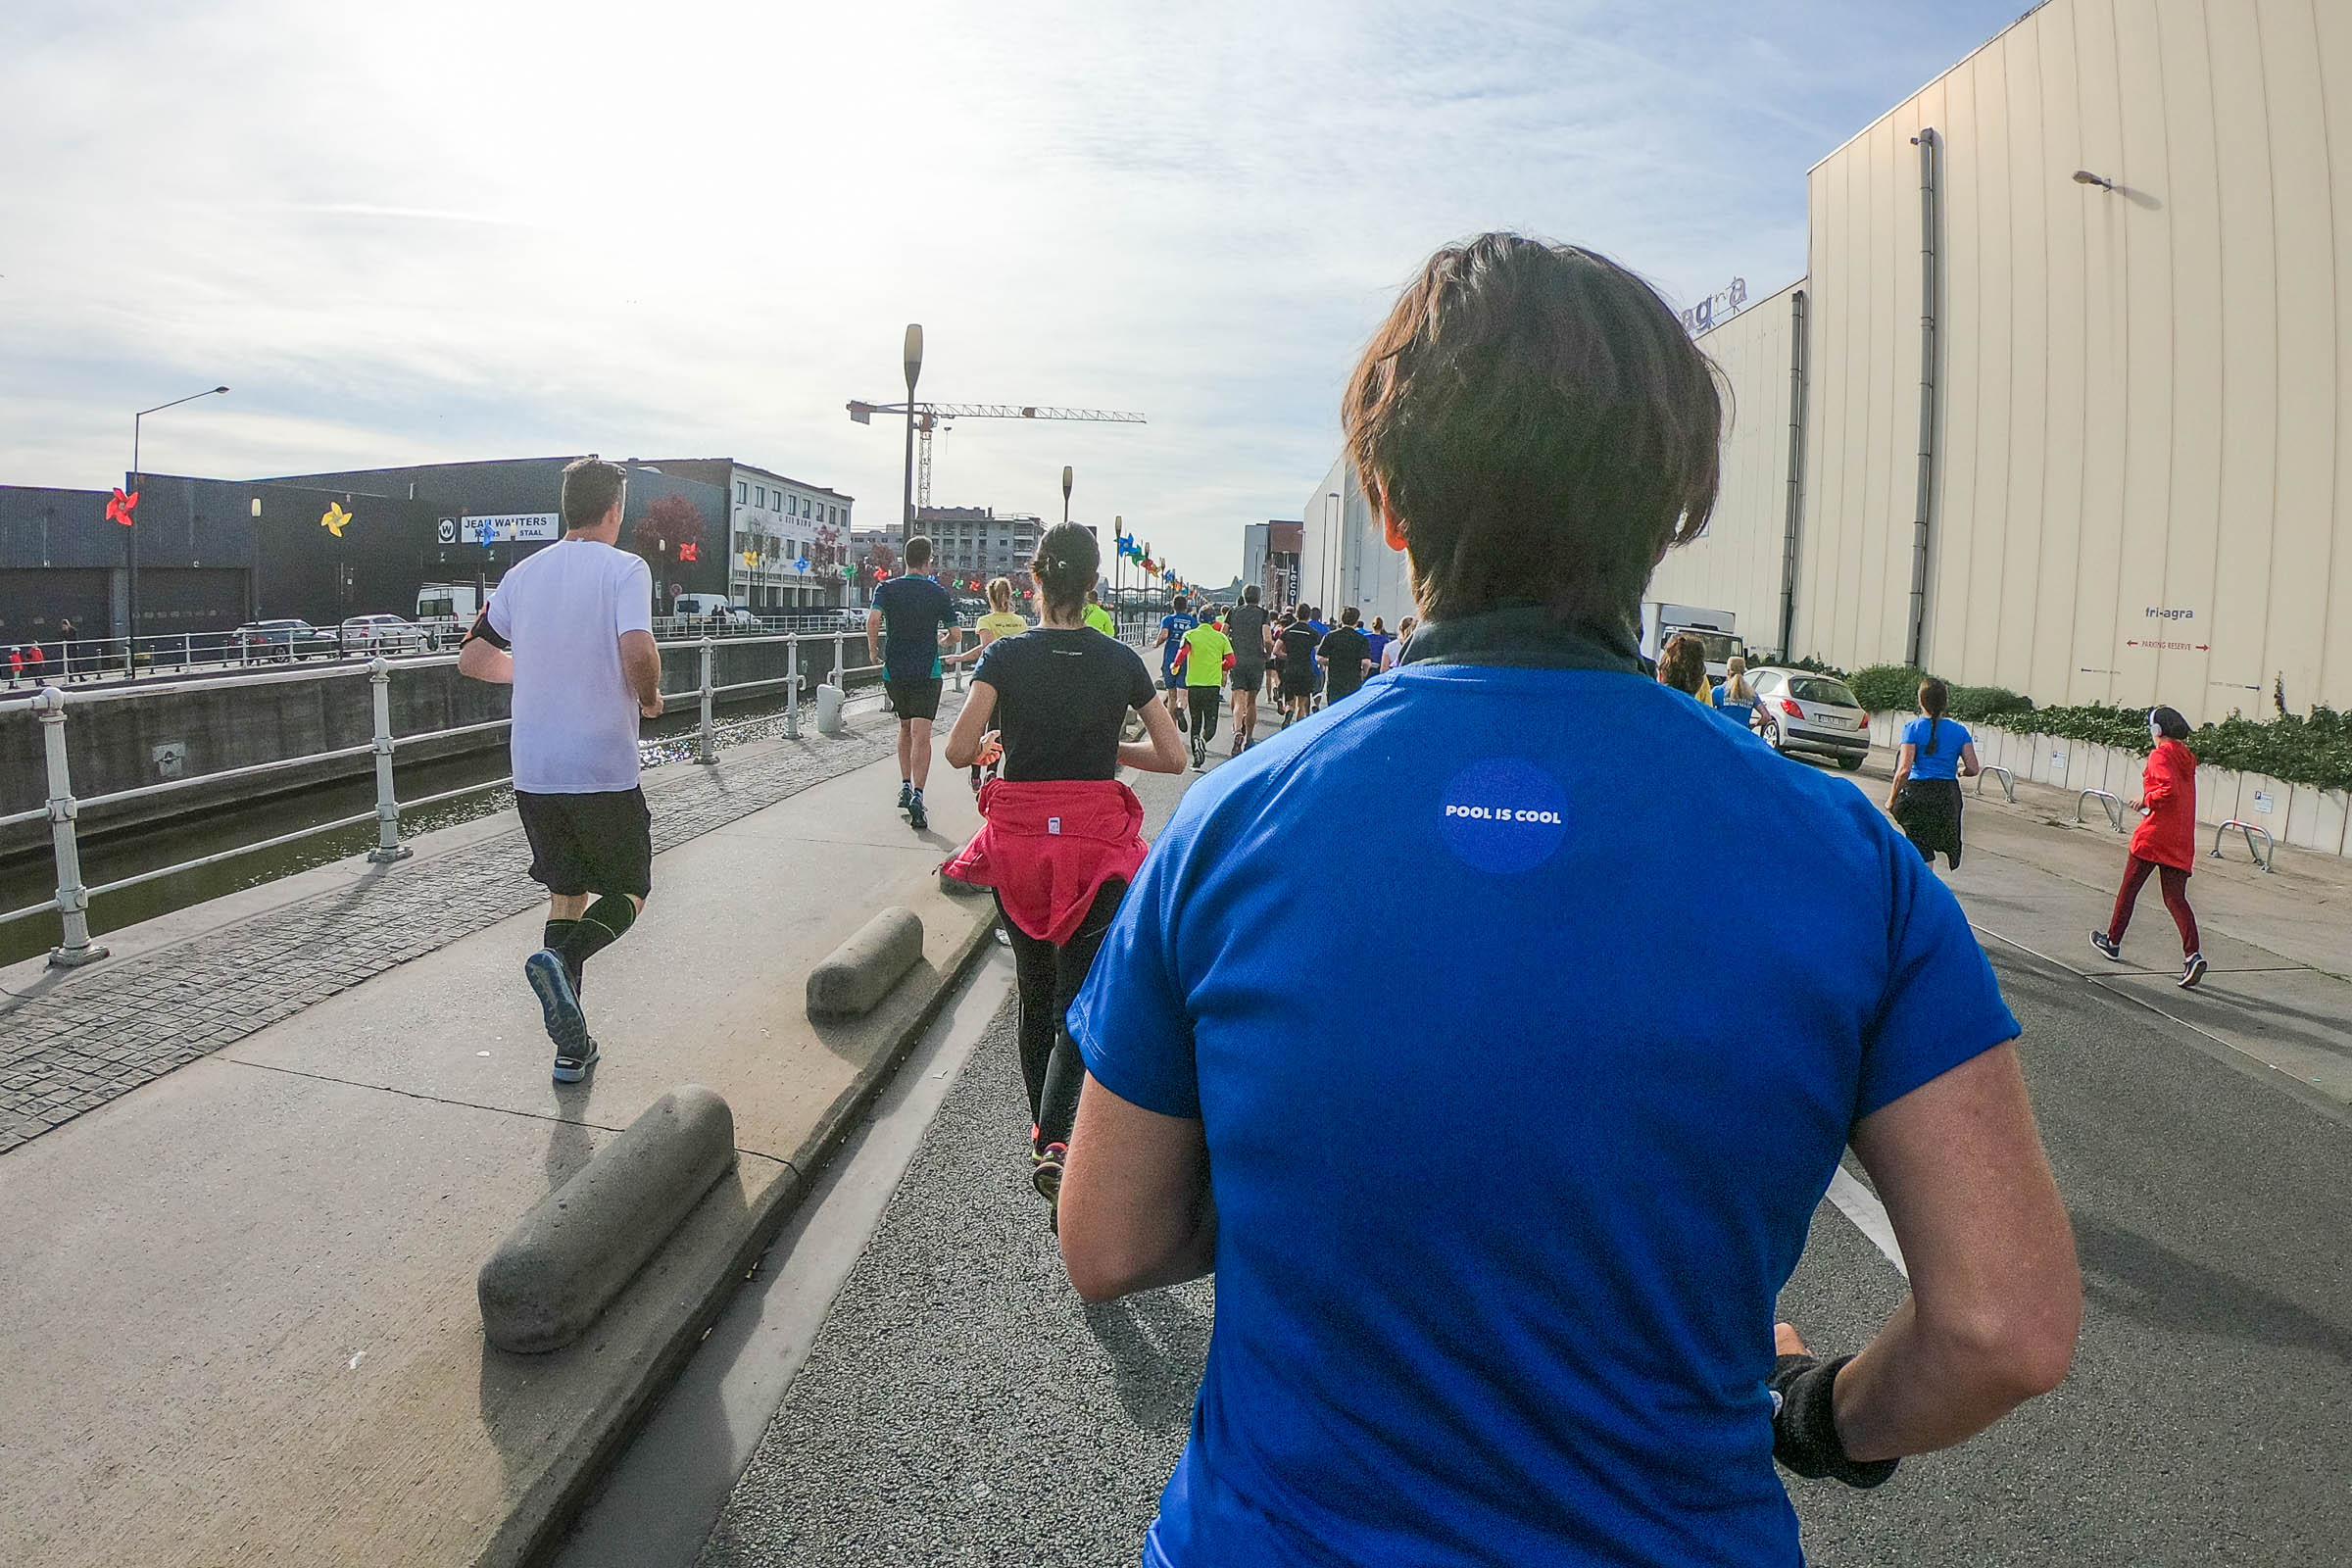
241	1326
2279	993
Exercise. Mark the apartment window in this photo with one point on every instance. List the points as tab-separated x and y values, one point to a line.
743	493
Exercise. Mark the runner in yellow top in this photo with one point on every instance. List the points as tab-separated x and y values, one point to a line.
1000	621
1098	617
1204	656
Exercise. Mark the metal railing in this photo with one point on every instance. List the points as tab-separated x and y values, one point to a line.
2266	856
2113	805
62	808
2008	782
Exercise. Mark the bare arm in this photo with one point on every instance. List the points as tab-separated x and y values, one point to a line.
1970	767
971	725
873	635
1163	749
1996	1295
485	660
641	667
1136	1208
1902	772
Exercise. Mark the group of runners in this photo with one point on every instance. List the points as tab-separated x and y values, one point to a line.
1554	1340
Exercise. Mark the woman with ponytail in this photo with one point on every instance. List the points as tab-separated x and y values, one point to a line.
1002	620
1924	797
1060	837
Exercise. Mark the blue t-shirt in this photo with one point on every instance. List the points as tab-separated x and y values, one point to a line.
1175	627
1554	1350
915	611
1738	710
1945	761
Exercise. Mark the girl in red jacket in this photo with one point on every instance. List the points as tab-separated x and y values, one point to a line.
2166	843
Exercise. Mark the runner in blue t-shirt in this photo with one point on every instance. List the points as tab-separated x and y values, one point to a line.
1503	1198
1932	756
918	616
1172	627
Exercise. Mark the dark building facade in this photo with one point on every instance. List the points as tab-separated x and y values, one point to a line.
527	486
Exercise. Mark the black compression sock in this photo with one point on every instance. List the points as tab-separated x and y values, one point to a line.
595	931
557	933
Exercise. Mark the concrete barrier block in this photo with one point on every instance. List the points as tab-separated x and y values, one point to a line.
862	970
563	1265
828	708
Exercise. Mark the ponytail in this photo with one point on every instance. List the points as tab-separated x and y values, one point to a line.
1934	697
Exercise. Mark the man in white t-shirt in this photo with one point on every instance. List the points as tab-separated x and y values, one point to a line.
572	630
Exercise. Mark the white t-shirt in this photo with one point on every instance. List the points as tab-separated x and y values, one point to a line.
563	612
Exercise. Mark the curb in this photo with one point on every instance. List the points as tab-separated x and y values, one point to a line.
537	1525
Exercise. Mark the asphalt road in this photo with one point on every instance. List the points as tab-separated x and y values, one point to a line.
962	1406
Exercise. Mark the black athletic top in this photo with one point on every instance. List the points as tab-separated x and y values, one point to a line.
1345	651
1246	625
1061	698
1298	649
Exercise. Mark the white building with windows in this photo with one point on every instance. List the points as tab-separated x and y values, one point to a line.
975	543
787	539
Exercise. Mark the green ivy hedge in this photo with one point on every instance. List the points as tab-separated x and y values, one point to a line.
2314	750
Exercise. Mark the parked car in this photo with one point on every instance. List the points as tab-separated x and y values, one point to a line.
286	640
380	634
1797	710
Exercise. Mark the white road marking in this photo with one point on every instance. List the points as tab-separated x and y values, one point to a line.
1860	1204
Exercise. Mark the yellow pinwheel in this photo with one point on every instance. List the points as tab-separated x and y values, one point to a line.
334	518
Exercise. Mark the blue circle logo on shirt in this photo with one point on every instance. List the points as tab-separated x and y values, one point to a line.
1503	815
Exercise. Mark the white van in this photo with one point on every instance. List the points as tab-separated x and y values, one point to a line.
710	607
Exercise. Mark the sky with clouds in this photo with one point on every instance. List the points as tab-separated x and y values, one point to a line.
448	229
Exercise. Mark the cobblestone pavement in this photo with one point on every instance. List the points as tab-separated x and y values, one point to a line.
105	1031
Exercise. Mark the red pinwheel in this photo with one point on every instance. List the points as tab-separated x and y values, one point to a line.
120	509
690	551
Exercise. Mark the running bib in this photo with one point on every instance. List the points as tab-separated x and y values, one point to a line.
1503	815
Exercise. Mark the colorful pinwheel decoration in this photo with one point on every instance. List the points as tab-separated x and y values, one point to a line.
334	519
690	551
122	508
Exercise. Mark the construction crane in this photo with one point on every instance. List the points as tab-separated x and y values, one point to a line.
931	416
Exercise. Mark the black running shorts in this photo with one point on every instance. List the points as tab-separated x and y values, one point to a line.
1248	677
914	699
600	843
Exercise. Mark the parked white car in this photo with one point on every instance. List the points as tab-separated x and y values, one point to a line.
1797	710
380	634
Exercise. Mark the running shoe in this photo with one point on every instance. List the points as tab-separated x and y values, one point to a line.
576	1069
905	795
2193	970
559	1004
2107	944
1047	1178
915	813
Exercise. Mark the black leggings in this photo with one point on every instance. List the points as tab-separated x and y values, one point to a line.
1203	701
1050	978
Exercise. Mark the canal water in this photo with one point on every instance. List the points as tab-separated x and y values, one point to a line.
29	878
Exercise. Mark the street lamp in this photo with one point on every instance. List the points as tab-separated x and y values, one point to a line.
915	367
130	642
1065	492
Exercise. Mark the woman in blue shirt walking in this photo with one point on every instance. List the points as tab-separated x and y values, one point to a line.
1924	797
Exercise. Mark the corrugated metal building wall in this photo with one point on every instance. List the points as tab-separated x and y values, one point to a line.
1736	565
2141	489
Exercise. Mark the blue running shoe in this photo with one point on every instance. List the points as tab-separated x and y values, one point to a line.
576	1069
560	1005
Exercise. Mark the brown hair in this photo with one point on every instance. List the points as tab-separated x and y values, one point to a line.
590	487
1000	595
1683	664
1934	697
918	553
1539	424
1067	561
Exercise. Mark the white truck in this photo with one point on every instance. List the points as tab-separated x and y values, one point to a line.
1718	631
445	611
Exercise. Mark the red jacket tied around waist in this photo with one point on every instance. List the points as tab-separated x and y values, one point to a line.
2169	787
1048	846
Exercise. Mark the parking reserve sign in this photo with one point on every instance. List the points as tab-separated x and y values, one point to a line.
510	527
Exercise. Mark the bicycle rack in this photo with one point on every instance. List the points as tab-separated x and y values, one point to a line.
2008	782
2262	856
2113	803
